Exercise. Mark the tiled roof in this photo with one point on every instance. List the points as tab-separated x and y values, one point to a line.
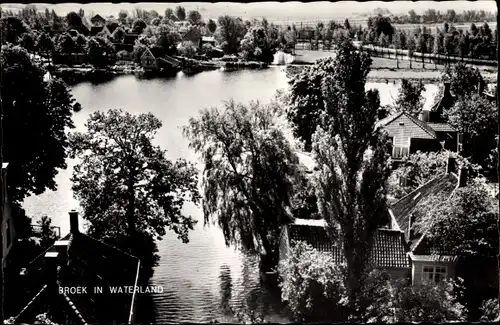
96	30
423	125
389	250
441	127
402	209
91	263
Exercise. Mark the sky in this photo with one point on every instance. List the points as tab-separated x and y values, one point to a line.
274	10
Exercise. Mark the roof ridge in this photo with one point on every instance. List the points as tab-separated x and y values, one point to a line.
418	188
419	123
110	246
391	119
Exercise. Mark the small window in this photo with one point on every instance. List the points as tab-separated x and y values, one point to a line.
401	123
433	274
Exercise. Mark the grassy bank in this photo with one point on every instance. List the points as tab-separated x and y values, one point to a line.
307	56
385	70
391	75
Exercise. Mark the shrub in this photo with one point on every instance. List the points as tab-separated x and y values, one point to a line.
389	300
312	284
489	310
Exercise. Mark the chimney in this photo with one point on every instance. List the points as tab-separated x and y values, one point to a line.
425	116
462	177
451	165
73	222
381	113
480	88
447	87
411	222
52	259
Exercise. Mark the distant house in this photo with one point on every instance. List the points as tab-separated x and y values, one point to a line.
389	252
79	261
410	134
7	227
128	42
86	26
207	40
111	27
98	29
429	263
148	60
98	20
192	35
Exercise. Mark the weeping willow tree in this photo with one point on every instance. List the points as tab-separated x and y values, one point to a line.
250	169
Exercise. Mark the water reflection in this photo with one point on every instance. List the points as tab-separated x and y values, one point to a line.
226	289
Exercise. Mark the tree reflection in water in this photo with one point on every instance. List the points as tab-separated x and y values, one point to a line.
226	289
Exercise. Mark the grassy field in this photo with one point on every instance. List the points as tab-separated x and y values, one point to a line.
307	56
384	69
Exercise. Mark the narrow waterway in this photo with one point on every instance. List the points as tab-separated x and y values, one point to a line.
202	278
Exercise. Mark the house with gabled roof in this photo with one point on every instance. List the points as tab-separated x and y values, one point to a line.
389	251
148	60
410	134
64	282
428	263
98	29
98	20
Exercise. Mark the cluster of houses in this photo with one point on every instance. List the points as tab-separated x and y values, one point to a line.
398	248
97	25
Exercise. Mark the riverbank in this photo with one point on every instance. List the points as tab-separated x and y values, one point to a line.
75	74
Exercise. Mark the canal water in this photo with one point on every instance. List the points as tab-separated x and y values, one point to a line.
202	278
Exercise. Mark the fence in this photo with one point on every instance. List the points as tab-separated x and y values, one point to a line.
431	57
401	54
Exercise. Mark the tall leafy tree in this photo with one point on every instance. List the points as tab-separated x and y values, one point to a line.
169	14
66	44
127	187
476	118
28	41
180	13
99	50
352	162
410	97
212	26
122	16
44	45
11	29
194	17
307	102
230	31
249	171
40	111
138	26
464	80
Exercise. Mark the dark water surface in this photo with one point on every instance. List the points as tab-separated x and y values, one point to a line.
203	278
